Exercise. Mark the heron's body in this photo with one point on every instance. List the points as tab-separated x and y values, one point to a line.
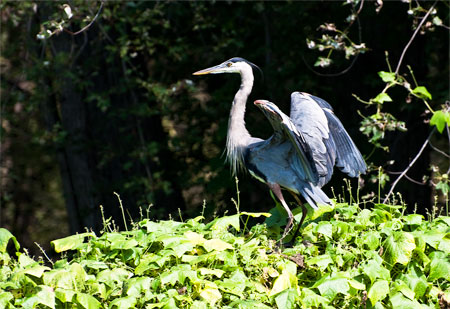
301	154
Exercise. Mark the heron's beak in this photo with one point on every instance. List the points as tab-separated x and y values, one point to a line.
221	68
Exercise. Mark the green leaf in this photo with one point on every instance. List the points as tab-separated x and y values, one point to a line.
322	261
70	242
325	228
373	269
87	301
382	97
287	298
378	291
398	301
5	236
399	247
413	219
216	244
284	281
322	209
255	214
5	298
443	186
330	286
439	266
138	286
422	92
124	244
440	119
210	293
64	295
45	296
215	272
416	281
310	299
35	271
194	238
222	224
387	77
124	302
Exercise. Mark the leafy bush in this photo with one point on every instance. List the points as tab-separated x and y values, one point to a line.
346	257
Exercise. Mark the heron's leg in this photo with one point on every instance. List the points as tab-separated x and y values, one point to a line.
277	191
304	213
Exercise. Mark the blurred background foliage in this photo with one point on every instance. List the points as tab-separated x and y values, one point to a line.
114	108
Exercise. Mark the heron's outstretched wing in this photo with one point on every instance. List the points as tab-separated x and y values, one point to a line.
303	162
310	119
305	113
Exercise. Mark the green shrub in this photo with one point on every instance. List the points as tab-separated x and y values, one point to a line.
346	257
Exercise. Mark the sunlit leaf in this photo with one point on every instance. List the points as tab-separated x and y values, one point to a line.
221	224
440	119
124	302
382	97
378	291
439	266
5	236
45	296
287	298
281	283
310	299
255	214
70	242
211	293
216	244
399	247
330	286
87	301
422	92
387	77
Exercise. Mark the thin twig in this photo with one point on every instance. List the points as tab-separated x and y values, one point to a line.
448	135
410	165
439	151
409	178
413	36
88	25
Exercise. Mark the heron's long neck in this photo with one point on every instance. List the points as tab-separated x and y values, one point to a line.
238	137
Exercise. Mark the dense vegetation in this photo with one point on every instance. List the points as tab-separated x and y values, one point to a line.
348	257
98	97
115	107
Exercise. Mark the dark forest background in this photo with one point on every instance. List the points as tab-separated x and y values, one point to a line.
115	108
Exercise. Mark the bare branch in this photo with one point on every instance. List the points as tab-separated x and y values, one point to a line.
439	151
88	25
413	36
409	178
410	164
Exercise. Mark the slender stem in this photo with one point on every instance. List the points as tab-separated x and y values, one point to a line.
448	135
413	36
410	164
88	25
439	151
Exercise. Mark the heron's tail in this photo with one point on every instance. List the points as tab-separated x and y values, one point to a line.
314	195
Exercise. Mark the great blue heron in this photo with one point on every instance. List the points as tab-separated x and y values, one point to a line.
301	153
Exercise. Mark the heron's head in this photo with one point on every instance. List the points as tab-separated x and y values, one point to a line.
234	65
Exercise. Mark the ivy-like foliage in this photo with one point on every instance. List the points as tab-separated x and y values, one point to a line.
348	257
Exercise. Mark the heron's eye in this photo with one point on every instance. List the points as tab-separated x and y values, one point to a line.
229	64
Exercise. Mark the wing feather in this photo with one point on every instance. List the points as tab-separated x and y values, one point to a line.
285	129
339	144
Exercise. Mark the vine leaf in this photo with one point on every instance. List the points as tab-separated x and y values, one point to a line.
387	77
422	92
440	119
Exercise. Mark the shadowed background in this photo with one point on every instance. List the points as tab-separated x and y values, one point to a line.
116	109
